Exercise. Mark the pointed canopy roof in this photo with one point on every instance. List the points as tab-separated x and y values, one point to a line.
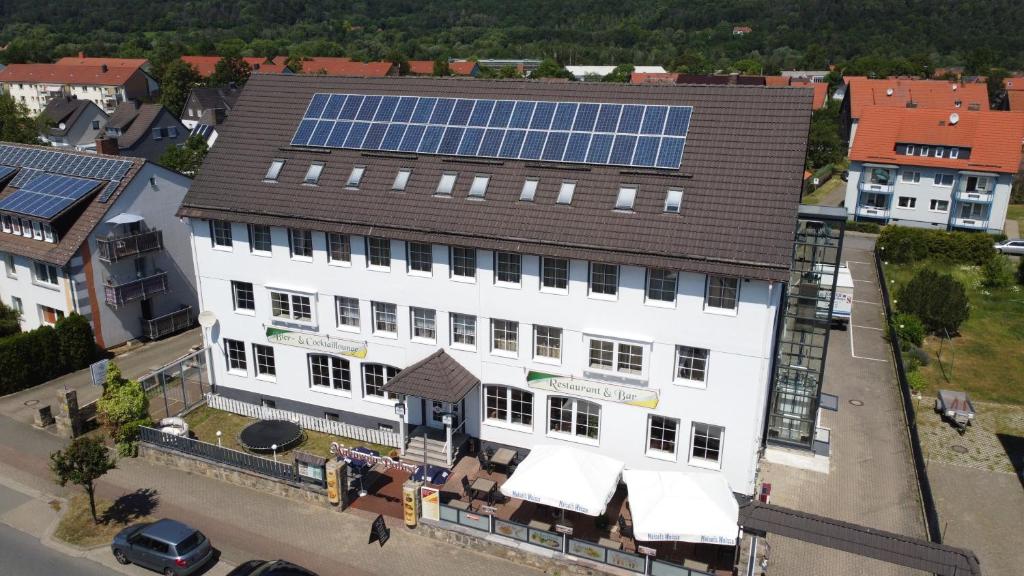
436	377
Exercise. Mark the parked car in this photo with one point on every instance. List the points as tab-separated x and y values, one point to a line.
1011	246
167	546
270	568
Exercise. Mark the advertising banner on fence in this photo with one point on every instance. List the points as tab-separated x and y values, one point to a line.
430	503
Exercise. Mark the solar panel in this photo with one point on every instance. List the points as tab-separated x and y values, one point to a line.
32	161
575	132
5	171
47	195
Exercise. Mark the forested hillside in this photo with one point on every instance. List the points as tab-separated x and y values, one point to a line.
878	36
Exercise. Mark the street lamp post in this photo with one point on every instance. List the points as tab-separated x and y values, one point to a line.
219	433
274	448
400	412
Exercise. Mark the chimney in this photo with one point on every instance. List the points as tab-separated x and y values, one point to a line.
103	68
106	146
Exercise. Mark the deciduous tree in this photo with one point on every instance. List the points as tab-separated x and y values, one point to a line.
83	462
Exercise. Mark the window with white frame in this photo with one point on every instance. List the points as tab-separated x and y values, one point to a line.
424	324
37	230
722	293
286	306
508	405
911	176
220	233
16	225
906	202
575	417
401	179
508	268
243	296
463	262
973	211
50	316
301	243
463	330
504	336
604	279
346	311
910	150
329	372
661	435
12	269
978	184
661	284
339	248
554	273
355	177
479	186
939	206
547	342
46	274
673	201
565	192
924	151
529	190
375	376
421	257
446	184
5	223
378	253
234	351
259	238
48	234
944	179
313	173
954	153
265	365
385	318
940	152
274	170
691	363
706	444
616	356
17	305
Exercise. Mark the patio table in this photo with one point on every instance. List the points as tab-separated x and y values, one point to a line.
503	457
483	486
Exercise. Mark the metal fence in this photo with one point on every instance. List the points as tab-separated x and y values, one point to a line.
219	454
177	386
931	514
306	421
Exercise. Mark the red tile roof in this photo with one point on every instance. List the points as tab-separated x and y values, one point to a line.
654	78
346	67
1016	100
939	94
426	68
1014	83
82	60
66	74
820	92
462	68
776	81
205	65
994	138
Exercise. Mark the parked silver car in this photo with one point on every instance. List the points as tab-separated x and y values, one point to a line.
167	546
1011	246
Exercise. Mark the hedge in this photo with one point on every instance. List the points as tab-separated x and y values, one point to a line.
868	227
901	245
31	358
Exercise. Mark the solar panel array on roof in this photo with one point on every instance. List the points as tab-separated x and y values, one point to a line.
47	195
31	161
576	132
5	171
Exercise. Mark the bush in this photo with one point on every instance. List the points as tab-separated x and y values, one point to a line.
868	227
939	300
123	408
918	356
916	381
31	358
77	344
1020	272
997	272
901	245
909	328
10	320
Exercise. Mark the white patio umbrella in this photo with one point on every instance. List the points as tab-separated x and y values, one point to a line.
566	478
676	506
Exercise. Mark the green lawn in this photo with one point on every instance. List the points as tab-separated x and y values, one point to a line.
204	422
987	359
1016	212
819	195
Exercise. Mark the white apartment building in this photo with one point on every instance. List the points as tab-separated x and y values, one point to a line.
106	85
612	301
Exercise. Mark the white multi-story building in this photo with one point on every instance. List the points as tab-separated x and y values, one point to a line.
606	298
934	169
105	84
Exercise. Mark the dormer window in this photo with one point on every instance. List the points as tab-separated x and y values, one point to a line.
626	197
355	177
447	184
673	201
940	152
954	153
566	191
529	190
401	180
910	149
479	186
924	150
313	173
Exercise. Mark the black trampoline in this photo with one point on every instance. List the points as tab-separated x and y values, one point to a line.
261	436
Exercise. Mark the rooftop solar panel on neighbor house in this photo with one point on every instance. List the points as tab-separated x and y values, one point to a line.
32	161
575	132
47	195
5	171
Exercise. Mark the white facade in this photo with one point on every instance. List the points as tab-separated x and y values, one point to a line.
928	197
29	290
732	395
35	97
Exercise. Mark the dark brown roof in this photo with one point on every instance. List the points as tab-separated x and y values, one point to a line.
140	126
863	541
64	110
436	377
741	175
124	115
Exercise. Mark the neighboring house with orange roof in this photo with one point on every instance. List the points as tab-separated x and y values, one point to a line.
460	68
741	30
106	85
933	168
654	78
331	66
205	65
1015	100
820	92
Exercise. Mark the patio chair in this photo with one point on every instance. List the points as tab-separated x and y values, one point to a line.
485	462
467	491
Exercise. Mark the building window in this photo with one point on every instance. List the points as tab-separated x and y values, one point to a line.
529	190
259	238
972	211
616	356
26	228
479	186
978	184
602	354
939	206
625	198
243	296
5	223
604	279
508	267
95	124
378	253
906	202
942	179
291	306
16	225
264	356
939	152
401	180
17	305
220	232
424	324
156	134
48	234
346	312
329	372
910	150
300	242
509	405
875	200
46	274
706	443
911	176
313	173
385	318
505	336
554	273
673	201
172	131
37	230
234	350
339	248
954	153
355	177
446	184
924	151
12	270
274	171
575	417
463	262
691	363
661	434
463	330
421	257
661	285
50	316
722	293
565	192
547	342
375	376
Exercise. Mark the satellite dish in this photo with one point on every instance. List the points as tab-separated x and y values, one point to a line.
954	118
888	91
207	319
62	126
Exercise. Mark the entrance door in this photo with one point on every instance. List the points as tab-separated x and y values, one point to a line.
147	308
436	409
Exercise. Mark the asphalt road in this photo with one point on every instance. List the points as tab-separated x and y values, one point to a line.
24	555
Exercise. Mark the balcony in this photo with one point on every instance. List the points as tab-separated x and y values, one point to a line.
982	196
120	247
872	212
161	326
970	223
118	293
876	188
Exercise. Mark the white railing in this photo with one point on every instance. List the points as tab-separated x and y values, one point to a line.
305	421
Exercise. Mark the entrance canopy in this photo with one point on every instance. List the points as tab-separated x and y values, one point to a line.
566	478
125	218
436	377
682	507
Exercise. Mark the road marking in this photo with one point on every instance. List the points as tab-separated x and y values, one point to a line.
853	353
871	328
866	302
857	262
865	281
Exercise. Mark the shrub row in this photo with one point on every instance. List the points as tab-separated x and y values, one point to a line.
901	245
31	358
869	227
